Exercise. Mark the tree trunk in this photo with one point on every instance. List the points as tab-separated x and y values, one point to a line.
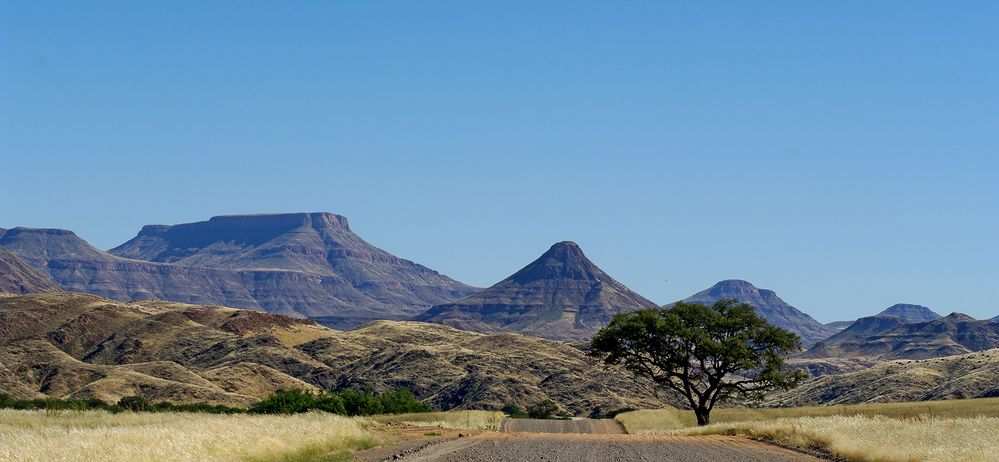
703	415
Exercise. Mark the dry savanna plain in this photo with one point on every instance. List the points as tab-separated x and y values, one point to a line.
955	430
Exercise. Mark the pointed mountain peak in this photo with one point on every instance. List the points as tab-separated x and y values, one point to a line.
561	295
911	313
564	260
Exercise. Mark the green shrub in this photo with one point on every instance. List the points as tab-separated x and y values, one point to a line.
135	404
514	411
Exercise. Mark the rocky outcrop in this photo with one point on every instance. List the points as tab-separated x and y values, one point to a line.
296	264
768	305
18	277
973	375
561	295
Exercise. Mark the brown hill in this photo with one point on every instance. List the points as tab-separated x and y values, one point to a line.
74	345
297	264
18	277
972	375
768	305
890	337
561	295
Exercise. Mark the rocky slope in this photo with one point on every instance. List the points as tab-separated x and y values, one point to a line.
74	345
561	295
297	264
17	277
767	304
972	375
891	337
911	313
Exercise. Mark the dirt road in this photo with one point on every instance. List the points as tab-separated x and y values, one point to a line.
549	447
585	426
574	441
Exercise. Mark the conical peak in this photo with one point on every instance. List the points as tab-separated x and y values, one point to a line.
565	249
563	260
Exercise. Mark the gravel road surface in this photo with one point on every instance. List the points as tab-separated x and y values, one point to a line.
550	447
586	426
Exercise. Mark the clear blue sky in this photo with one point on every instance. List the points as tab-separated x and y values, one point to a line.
844	154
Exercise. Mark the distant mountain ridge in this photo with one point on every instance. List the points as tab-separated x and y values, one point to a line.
306	264
561	295
768	305
892	337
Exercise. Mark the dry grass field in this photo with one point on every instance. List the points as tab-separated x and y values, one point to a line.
99	436
956	430
462	420
877	438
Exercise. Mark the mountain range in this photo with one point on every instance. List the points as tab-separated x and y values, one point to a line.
304	264
893	337
84	346
561	295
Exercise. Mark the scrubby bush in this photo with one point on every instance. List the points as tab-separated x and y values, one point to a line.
134	403
542	410
514	411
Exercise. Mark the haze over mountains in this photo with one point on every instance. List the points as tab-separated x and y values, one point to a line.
307	264
561	295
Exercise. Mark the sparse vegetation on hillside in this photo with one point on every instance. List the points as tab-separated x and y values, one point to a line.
31	436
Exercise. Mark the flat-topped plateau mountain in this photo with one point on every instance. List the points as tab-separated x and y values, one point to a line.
971	375
304	264
768	305
891	337
911	313
561	295
74	345
18	277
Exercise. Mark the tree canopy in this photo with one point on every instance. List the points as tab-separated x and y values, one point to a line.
706	354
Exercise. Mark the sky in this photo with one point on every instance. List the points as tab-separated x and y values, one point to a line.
843	154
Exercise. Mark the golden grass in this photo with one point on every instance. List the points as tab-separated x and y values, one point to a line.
661	421
471	420
878	438
104	437
955	430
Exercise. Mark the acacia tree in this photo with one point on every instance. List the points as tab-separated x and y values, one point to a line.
706	354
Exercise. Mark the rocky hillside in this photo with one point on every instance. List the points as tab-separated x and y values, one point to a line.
972	375
17	277
767	304
296	264
891	337
74	345
911	313
561	295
